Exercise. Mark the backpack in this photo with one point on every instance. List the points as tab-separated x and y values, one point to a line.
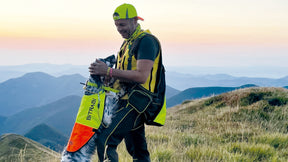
152	105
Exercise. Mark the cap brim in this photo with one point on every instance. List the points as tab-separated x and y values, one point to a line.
140	18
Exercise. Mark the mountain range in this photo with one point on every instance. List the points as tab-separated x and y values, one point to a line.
188	78
60	115
36	89
8	72
184	81
200	92
37	98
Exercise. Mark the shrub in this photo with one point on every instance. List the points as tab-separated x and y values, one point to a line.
220	105
257	152
278	141
268	108
264	115
186	102
278	101
188	140
193	109
253	97
163	155
236	137
213	100
160	138
204	154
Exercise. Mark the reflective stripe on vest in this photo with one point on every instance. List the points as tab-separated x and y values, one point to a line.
123	62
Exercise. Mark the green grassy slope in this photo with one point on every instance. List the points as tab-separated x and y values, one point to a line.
201	92
18	148
243	125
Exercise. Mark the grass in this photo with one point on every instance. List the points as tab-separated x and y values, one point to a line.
22	150
243	125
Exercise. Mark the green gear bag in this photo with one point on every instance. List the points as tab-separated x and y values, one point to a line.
152	105
161	116
91	110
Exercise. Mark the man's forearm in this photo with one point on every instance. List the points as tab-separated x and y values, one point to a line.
128	76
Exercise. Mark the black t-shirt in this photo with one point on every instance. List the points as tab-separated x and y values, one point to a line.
147	49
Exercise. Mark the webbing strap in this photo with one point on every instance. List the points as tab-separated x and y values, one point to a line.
129	66
103	87
110	89
131	47
92	84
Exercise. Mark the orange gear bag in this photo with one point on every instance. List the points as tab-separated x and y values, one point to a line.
88	120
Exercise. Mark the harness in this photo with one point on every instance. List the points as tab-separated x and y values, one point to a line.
151	103
93	109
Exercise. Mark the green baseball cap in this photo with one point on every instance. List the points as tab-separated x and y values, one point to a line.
126	11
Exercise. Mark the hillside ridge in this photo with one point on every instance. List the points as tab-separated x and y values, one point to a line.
249	124
14	147
200	92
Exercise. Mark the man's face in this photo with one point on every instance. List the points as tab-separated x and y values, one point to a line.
126	27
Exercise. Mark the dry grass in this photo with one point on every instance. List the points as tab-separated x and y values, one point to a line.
243	125
24	150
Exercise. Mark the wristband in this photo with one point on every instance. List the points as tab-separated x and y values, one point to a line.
110	72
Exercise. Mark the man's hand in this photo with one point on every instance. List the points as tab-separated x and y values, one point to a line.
98	68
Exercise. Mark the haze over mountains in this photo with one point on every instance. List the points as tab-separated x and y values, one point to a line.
59	114
8	72
38	100
36	89
188	78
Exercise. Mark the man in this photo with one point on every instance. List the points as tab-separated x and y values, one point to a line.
140	67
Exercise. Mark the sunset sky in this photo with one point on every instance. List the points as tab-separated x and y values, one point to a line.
220	33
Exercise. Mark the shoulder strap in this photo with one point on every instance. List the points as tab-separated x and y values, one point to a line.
161	69
120	53
132	48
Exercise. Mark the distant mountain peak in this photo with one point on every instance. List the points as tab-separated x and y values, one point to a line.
48	137
42	130
248	86
37	74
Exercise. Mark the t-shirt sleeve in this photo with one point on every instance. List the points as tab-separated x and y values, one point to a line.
148	48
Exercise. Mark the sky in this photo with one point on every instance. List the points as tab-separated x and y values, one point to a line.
202	33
